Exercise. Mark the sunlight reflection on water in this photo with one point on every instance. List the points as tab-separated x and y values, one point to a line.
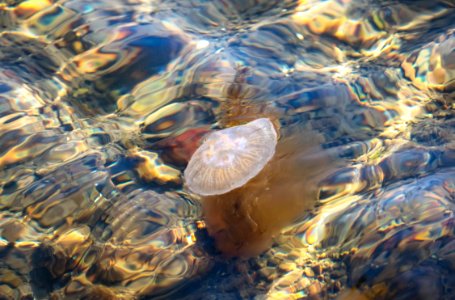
103	103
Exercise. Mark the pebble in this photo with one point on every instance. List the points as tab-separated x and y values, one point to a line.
287	266
317	269
314	289
308	272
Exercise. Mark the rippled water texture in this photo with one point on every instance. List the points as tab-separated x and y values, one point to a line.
103	102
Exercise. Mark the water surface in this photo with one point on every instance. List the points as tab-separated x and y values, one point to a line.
103	102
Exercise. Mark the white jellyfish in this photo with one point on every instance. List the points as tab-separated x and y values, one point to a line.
229	158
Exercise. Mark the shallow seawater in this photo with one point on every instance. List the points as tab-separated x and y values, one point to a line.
102	104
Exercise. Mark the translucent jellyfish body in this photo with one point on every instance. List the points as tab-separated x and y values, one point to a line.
229	158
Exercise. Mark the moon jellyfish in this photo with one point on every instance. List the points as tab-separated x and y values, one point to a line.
229	158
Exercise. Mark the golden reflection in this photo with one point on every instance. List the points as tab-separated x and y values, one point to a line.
150	168
28	8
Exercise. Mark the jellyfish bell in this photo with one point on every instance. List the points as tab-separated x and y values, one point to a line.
229	158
